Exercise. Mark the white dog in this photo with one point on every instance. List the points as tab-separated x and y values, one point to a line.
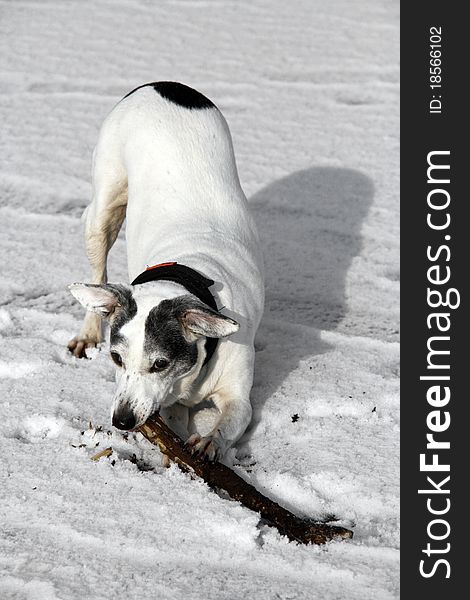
164	160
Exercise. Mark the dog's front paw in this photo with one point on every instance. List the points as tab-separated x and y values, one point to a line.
78	345
210	447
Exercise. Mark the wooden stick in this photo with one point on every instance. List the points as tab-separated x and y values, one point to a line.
106	452
218	476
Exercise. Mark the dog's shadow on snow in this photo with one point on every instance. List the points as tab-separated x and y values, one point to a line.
310	227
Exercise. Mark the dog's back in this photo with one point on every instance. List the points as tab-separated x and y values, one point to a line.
171	151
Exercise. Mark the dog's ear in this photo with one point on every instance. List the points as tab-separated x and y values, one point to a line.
101	299
201	320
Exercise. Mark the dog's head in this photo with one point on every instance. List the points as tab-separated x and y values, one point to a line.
158	348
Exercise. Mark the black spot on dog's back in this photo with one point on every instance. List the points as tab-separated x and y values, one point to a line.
182	94
178	93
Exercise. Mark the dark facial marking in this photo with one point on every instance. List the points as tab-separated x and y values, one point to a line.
126	311
164	336
178	93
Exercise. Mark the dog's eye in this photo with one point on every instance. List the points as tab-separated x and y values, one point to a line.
116	358
160	364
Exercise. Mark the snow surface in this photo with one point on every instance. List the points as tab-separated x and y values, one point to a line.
310	90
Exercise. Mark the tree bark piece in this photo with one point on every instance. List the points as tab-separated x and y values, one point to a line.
218	476
106	452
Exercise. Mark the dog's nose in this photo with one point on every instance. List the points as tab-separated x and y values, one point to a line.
124	419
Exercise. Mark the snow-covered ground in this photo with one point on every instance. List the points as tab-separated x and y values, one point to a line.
310	91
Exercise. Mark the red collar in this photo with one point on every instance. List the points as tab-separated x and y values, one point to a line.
167	264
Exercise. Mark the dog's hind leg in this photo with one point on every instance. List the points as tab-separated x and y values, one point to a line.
103	220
